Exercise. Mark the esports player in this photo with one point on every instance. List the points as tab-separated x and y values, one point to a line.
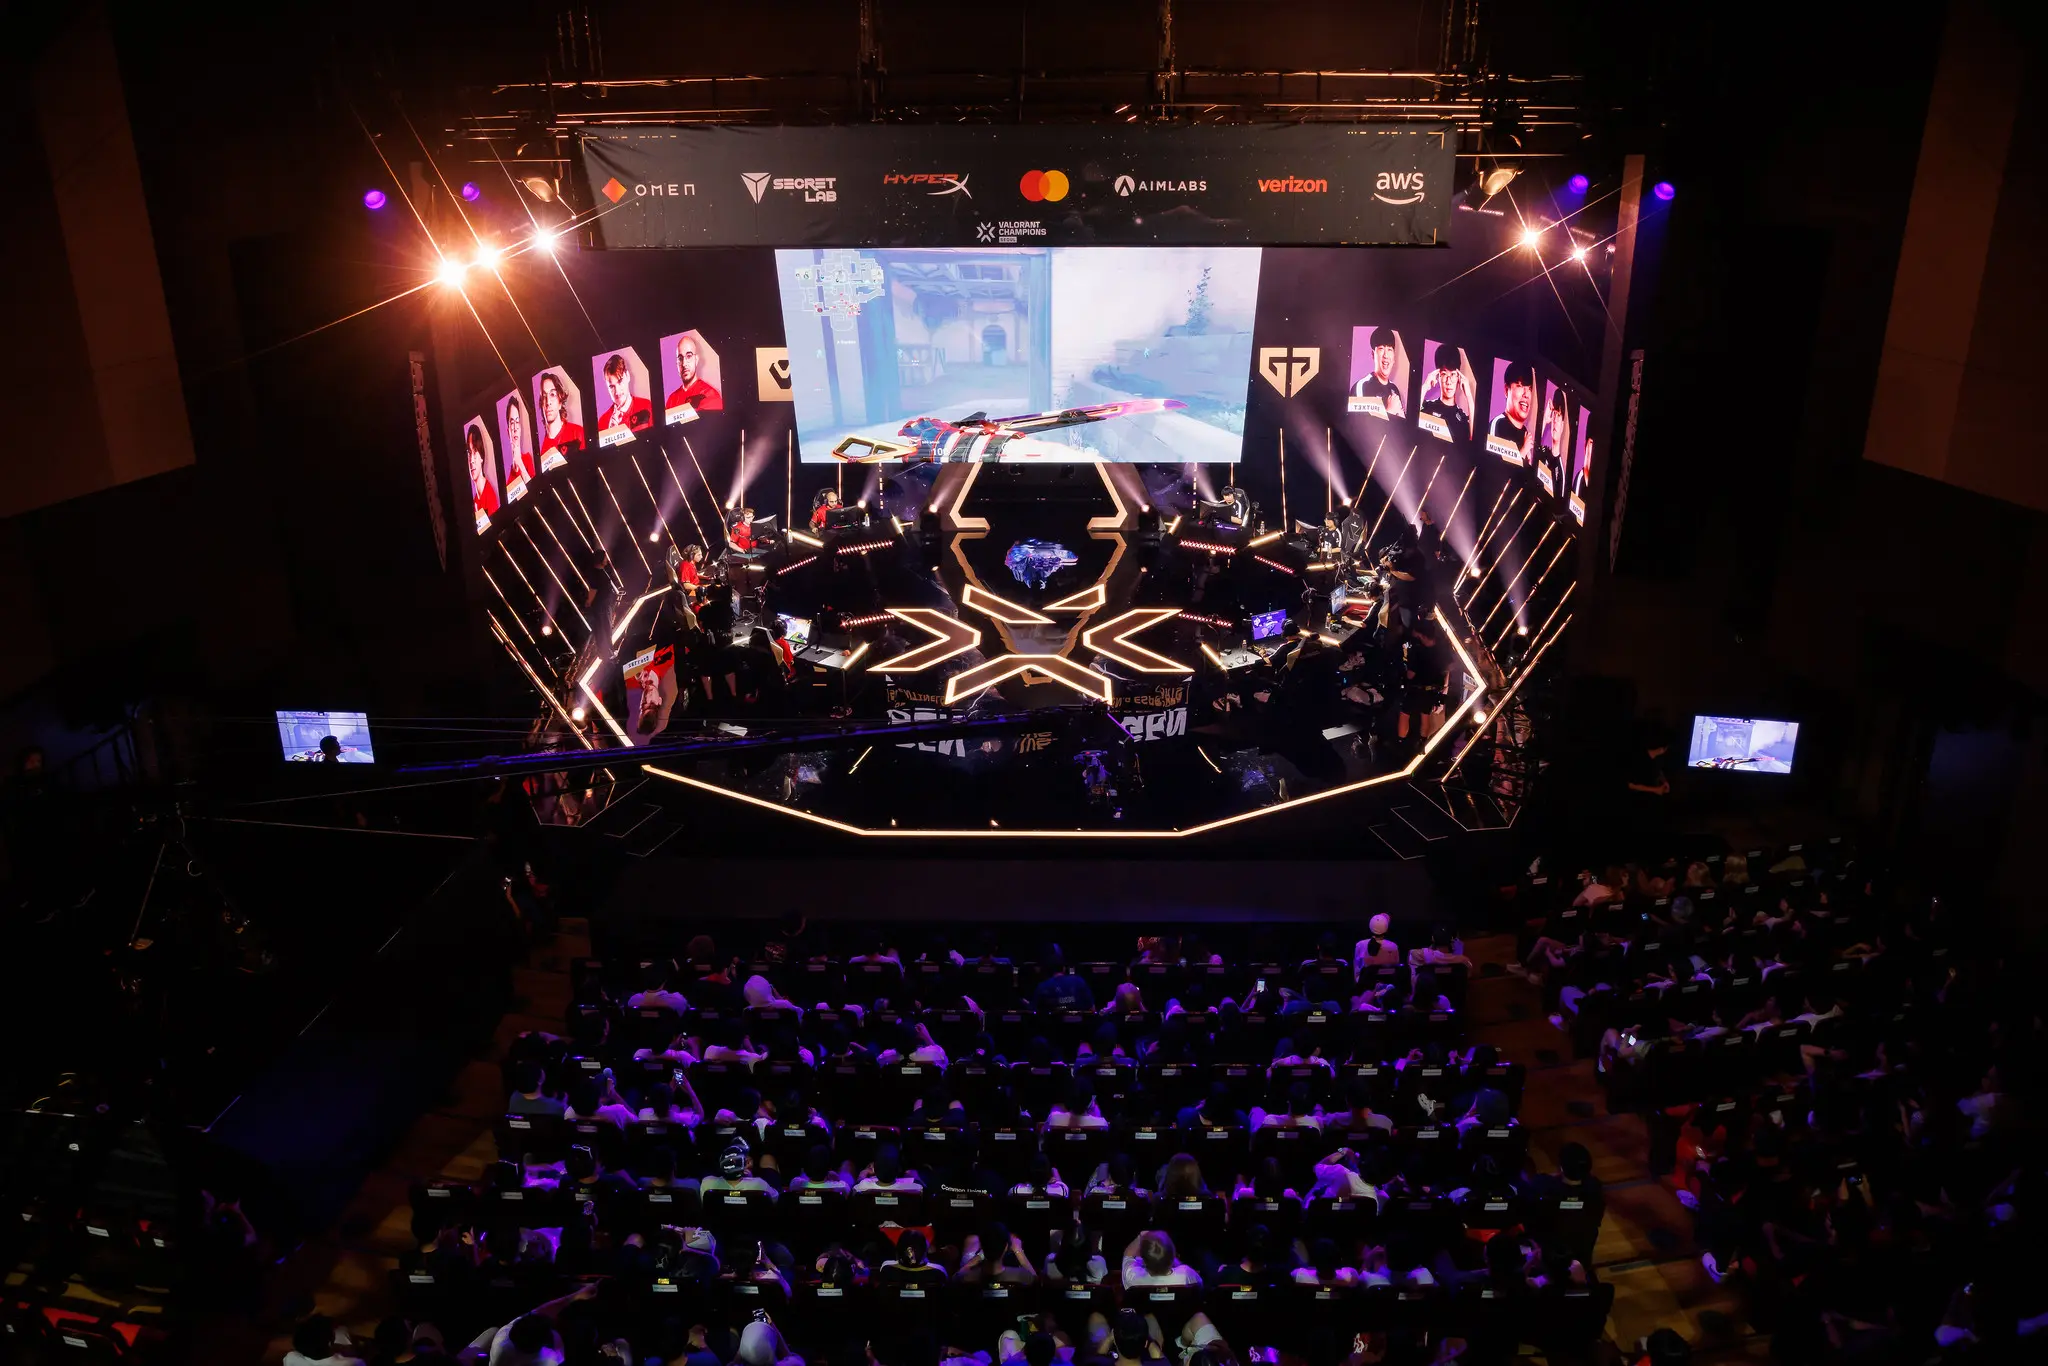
481	491
695	392
1449	414
559	435
628	410
1556	442
822	507
1329	540
1233	507
1583	469
518	450
1512	427
1380	385
740	530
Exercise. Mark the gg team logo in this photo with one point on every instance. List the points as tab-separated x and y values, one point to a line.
1289	368
1047	186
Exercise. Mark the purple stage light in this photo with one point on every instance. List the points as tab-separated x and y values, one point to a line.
373	199
471	192
1578	183
1663	190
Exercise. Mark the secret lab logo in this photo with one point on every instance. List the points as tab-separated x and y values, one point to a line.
1126	186
1398	180
815	189
1290	368
771	374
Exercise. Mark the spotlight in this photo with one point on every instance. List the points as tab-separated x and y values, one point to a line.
547	628
1531	236
373	199
487	255
451	272
1579	183
546	241
1479	717
1663	189
654	537
1522	628
1578	253
471	192
1498	179
540	187
576	713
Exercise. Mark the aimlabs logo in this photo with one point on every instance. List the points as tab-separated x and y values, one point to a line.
948	182
815	189
1294	185
1126	186
1050	186
1289	368
1398	180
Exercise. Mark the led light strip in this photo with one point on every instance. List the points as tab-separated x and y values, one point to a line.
1115	643
1087	600
1273	564
950	638
1001	608
797	564
1059	668
1212	547
863	547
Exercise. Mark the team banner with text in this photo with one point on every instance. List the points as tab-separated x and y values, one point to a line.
957	186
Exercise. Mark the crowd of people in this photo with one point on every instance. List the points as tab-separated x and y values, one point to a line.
914	1151
1838	1076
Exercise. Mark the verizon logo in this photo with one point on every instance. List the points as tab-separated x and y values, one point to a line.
1294	185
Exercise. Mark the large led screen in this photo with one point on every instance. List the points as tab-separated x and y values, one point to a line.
1052	354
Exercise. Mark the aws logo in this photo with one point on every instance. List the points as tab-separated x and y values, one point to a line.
1398	181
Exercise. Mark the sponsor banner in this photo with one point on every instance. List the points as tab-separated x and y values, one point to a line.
959	186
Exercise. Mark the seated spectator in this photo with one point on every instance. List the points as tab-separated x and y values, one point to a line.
1375	950
1150	1259
597	1098
1216	1111
529	1095
1075	1258
912	1264
320	1341
995	1254
729	1043
1181	1179
820	1173
673	1105
886	1174
1301	1112
1442	950
658	988
1063	989
1338	1178
761	994
1326	1268
1078	1110
736	1172
1041	1178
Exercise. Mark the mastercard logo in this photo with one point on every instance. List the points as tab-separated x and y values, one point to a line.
1050	186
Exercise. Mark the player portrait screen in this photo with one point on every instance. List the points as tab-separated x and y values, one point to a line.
1017	354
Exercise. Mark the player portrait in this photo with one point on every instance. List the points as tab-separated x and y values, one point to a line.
1511	435
1379	373
558	417
1446	405
1554	438
483	472
515	445
623	405
1582	466
690	377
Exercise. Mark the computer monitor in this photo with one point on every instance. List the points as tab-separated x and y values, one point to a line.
300	734
1266	625
1742	744
796	629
